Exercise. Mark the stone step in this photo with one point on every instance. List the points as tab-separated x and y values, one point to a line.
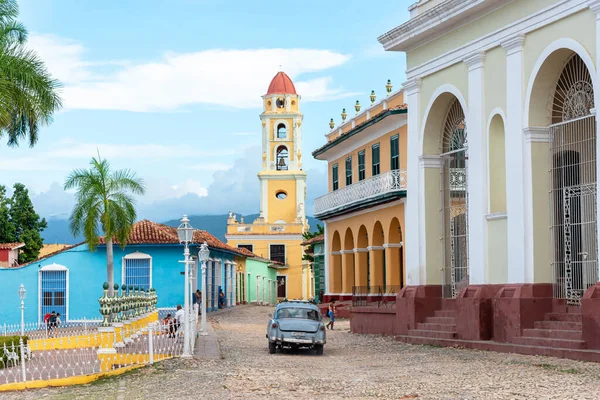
441	320
445	313
550	342
437	327
565	317
552	333
431	334
558	325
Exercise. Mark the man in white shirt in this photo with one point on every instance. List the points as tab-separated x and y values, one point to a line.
179	317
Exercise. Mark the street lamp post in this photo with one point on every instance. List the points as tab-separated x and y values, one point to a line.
185	233
203	257
22	293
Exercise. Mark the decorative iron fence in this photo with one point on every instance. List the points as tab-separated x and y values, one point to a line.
375	296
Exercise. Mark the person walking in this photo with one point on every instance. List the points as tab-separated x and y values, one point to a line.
331	315
178	318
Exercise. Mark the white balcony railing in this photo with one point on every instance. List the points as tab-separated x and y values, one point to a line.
388	182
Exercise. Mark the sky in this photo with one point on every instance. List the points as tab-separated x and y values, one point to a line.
172	90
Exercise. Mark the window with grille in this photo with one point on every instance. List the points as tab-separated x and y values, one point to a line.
53	290
277	253
349	171
394	153
361	165
137	270
246	246
334	176
375	159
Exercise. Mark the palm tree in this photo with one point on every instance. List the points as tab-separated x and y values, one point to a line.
28	94
104	206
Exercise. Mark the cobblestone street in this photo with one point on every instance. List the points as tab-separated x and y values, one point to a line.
353	367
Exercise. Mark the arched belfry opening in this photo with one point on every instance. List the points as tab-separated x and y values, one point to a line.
573	225
454	195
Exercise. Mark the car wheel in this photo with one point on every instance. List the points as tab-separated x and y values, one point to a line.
319	349
272	347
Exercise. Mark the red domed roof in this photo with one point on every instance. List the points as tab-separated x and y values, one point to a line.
281	84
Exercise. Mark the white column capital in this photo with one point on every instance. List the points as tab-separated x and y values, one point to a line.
359	250
514	44
336	253
430	161
412	86
536	134
595	7
475	61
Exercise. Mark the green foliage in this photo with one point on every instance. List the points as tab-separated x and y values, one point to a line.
20	223
103	206
28	94
309	235
12	344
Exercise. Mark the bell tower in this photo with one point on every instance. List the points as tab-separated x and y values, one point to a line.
282	181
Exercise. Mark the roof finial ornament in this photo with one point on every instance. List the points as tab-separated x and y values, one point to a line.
280	68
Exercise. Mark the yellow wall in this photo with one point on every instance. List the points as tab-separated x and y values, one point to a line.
495	80
293	252
384	158
497	265
282	209
456	75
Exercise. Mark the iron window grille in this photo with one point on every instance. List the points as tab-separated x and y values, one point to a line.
361	165
375	159
349	171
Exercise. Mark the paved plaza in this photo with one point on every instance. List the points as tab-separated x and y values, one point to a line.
353	367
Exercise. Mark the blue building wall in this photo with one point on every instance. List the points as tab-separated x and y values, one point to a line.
87	273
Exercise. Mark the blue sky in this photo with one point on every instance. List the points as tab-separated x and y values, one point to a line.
172	90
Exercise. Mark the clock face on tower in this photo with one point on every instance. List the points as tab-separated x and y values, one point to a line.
280	102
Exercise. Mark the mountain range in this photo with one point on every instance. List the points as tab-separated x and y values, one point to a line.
58	228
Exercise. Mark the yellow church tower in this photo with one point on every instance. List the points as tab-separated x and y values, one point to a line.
277	233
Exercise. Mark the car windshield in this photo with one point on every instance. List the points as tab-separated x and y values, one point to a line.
302	313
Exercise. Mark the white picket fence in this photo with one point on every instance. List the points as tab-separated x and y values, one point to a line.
79	348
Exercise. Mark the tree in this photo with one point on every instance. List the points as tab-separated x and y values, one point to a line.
28	94
103	204
7	228
310	250
26	224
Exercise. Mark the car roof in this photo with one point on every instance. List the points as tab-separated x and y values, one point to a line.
297	304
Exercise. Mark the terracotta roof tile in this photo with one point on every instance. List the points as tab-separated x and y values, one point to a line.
281	84
316	239
11	246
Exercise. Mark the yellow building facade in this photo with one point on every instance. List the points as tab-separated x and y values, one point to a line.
363	211
277	233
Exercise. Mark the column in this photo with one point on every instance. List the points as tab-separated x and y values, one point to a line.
392	260
347	271
209	286
335	276
519	222
326	263
258	300
413	216
361	265
376	266
476	171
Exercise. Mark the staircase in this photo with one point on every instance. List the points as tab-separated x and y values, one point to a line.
441	326
559	330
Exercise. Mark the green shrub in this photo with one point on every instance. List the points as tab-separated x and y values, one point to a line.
10	341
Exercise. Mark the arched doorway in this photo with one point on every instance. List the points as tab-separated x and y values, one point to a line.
572	138
377	273
454	201
348	262
335	280
394	255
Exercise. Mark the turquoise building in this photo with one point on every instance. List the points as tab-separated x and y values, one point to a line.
70	280
316	248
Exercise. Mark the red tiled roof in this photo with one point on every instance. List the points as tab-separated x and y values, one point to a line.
148	232
11	246
316	239
281	83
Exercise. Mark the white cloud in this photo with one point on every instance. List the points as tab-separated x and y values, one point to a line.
189	186
232	78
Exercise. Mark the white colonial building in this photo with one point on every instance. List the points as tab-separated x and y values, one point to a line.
501	211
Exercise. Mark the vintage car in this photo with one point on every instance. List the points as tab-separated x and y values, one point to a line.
296	324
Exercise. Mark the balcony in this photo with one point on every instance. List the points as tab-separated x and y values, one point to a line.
377	189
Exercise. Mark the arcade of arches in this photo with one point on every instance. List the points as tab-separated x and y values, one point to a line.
366	250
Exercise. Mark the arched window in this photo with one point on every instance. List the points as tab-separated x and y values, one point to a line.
281	131
282	158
